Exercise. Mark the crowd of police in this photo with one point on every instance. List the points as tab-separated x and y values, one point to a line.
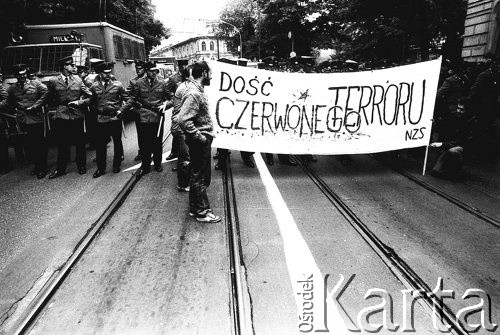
70	103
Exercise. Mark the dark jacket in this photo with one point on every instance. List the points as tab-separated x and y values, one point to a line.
453	90
484	95
109	101
61	94
151	98
31	95
3	102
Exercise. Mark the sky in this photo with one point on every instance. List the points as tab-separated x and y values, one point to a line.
182	16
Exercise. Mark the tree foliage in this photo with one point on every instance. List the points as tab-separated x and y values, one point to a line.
136	16
389	30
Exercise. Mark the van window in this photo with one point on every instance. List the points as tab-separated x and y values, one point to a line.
118	44
127	48
44	58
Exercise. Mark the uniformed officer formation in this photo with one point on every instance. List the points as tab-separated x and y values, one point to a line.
70	103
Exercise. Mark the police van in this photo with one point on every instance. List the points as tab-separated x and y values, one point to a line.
44	45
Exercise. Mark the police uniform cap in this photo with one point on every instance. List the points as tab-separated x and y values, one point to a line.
150	66
66	60
82	68
105	67
139	63
20	69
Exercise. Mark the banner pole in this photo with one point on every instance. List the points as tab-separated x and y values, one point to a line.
425	160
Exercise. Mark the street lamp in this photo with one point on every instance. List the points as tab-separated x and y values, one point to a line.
239	33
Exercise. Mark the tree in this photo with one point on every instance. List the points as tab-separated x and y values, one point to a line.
366	30
286	25
394	30
266	25
133	15
242	14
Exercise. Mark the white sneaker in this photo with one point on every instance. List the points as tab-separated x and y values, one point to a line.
183	189
209	218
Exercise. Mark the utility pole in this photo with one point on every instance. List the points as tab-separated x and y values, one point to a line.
258	35
239	33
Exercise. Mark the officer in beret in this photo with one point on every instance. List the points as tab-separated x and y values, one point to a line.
26	99
151	97
65	91
141	72
108	97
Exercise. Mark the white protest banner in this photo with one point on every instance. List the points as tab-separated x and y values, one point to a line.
334	113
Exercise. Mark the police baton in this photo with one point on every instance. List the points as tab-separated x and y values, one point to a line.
162	118
160	126
48	121
44	117
85	121
123	129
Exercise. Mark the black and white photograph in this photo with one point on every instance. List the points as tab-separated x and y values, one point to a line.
249	167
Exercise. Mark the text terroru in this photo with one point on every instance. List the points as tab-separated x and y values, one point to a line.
348	110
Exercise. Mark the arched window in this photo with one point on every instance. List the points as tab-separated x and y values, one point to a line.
211	45
203	46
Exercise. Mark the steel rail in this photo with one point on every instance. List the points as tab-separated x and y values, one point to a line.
50	288
406	275
241	307
26	320
466	207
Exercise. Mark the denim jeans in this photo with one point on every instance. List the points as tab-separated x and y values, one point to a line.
200	176
183	158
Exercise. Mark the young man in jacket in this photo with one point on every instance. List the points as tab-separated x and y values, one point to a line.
196	123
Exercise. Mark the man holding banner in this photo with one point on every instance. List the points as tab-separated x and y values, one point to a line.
196	122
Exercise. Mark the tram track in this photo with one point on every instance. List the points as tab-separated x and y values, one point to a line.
241	306
239	299
42	299
457	202
400	269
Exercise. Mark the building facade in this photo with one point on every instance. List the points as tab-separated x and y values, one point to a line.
482	26
207	47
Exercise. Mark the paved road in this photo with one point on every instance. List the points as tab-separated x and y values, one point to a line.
43	221
155	270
